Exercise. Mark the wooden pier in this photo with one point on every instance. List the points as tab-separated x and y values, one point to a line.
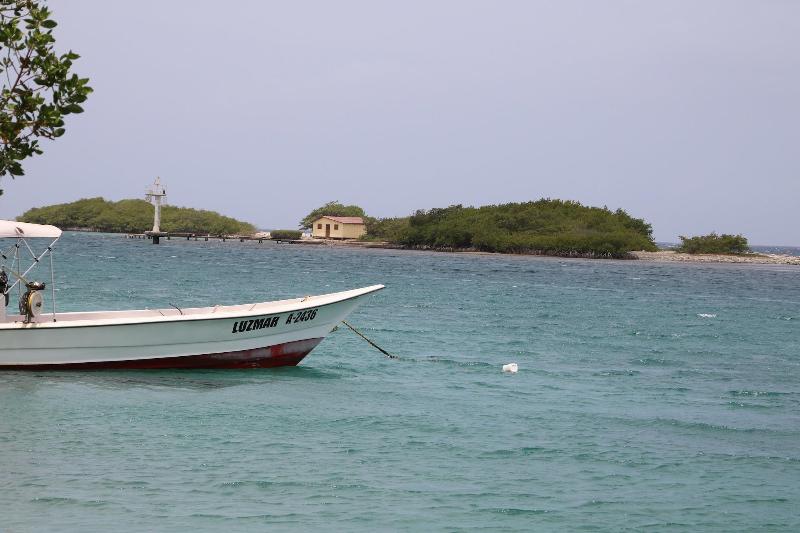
194	237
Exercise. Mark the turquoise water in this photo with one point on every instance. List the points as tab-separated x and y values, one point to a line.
658	396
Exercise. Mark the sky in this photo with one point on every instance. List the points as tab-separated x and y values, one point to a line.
684	113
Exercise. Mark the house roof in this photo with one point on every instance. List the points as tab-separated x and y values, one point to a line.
345	220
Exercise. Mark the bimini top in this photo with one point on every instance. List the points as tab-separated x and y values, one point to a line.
12	229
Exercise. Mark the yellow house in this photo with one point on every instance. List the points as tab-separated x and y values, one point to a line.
329	227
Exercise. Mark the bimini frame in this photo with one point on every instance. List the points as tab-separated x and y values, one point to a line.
21	231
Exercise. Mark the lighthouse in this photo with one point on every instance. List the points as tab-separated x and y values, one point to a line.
154	194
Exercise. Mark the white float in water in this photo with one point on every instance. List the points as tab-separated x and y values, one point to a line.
511	367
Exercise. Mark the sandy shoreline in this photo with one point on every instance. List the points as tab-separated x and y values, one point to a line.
669	256
663	256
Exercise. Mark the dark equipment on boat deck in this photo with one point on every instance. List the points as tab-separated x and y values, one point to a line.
30	304
4	284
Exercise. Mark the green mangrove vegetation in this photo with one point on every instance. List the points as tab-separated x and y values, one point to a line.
285	234
546	226
333	209
714	244
133	216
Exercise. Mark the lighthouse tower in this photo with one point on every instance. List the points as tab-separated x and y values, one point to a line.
155	194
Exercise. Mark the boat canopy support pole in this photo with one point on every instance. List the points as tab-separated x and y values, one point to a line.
30	250
19	267
33	264
52	281
36	259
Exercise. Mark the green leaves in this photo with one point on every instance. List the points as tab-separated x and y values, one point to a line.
286	234
38	86
714	244
333	208
133	216
552	227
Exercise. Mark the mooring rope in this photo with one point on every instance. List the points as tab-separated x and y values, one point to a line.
384	352
510	367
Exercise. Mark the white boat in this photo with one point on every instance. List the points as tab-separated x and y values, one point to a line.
253	335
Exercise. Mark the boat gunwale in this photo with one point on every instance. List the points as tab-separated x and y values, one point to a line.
283	307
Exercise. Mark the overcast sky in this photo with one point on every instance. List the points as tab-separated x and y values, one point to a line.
686	114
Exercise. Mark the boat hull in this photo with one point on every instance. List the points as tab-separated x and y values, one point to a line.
286	354
262	335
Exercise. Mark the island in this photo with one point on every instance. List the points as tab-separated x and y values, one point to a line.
543	227
133	216
552	227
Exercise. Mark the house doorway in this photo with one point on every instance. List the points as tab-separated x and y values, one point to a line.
327	231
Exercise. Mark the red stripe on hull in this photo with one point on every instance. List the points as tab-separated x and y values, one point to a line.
287	354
